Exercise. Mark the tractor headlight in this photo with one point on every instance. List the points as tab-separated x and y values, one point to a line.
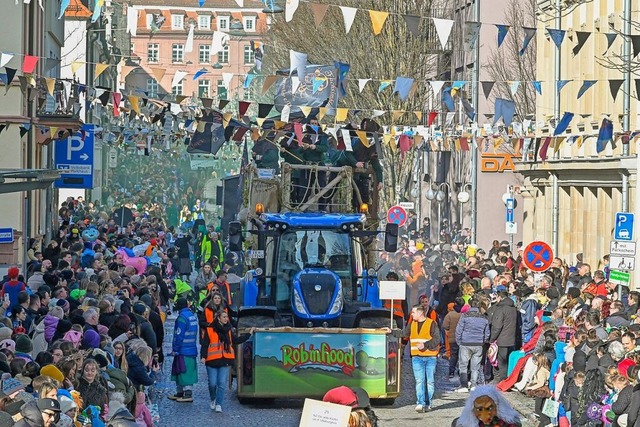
297	301
337	305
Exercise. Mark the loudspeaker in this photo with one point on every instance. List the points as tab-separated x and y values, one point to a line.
231	196
391	237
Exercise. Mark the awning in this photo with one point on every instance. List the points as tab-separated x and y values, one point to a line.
17	180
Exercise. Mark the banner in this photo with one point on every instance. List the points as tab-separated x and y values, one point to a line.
325	79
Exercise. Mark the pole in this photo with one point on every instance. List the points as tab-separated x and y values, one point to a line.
474	150
391	324
556	112
626	100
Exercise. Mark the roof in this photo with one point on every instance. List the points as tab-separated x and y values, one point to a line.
209	4
313	220
77	10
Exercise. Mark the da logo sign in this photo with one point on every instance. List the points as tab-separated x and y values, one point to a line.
497	163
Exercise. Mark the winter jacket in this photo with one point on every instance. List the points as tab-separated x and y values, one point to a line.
185	334
146	332
38	340
618	320
122	383
622	403
473	328
94	393
122	418
450	323
31	416
634	408
137	372
504	322
528	311
50	325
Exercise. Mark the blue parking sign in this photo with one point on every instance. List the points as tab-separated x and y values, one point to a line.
623	226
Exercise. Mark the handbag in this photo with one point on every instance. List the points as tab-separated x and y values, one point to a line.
550	408
178	367
492	354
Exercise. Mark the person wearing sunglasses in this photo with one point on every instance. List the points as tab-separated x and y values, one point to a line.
39	412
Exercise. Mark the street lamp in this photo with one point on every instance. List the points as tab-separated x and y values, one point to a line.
464	195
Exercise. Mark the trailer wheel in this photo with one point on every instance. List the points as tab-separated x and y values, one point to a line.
389	401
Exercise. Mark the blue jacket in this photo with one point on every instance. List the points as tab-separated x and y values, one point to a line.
473	328
185	334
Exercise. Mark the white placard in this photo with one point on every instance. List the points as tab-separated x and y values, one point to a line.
624	263
316	413
622	248
511	228
407	205
393	289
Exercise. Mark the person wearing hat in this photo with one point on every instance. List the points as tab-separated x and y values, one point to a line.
12	288
503	318
185	352
528	308
141	313
358	399
265	151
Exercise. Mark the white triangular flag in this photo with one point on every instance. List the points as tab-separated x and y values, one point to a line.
377	113
226	79
240	3
436	85
443	28
514	87
298	62
5	58
362	83
132	21
219	40
349	14
188	47
290	9
177	77
284	114
295	84
346	137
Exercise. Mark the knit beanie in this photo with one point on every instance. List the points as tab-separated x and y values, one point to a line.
64	304
13	272
23	343
10	386
9	344
91	339
57	312
5	333
52	371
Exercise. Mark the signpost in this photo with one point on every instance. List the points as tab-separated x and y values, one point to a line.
623	226
6	235
74	159
537	256
627	263
397	215
393	290
619	277
622	248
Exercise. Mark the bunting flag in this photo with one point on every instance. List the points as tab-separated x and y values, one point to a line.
447	99
529	33
341	114
558	143
226	79
605	135
177	78
29	64
362	83
243	106
63	7
26	127
503	30
51	85
504	109
557	36
383	85
11	73
295	83
537	85
362	136
436	86
290	9
75	66
132	21
348	15
204	71
218	41
298	62
5	58
188	46
560	84
585	86
443	29
268	82
635	42
319	10
158	73
403	86
117	97
156	22
378	19
99	69
264	110
97	9
247	80
514	87
342	71
563	124
413	24
134	102
544	148
222	104
582	37
322	111
472	34
611	37
486	88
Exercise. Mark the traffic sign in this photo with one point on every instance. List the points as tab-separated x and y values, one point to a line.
619	277
397	215
407	205
6	235
511	227
622	248
537	256
74	159
623	226
627	263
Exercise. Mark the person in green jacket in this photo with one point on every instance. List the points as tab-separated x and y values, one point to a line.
314	147
292	153
265	150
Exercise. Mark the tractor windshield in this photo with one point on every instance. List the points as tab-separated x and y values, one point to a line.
298	249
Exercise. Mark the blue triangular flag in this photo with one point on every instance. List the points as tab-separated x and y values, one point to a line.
458	84
529	33
447	99
585	86
502	32
201	2
563	124
317	84
343	70
604	135
403	86
199	73
63	7
97	9
557	36
537	85
560	84
383	85
248	80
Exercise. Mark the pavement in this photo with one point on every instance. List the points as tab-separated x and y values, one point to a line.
447	404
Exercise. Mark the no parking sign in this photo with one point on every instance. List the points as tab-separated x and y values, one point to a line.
537	256
397	215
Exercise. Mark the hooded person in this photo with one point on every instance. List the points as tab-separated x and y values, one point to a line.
358	399
24	347
185	350
486	406
119	415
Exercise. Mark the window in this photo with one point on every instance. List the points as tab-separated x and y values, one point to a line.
177	53
204	87
149	20
133	48
204	22
222	90
153	53
204	54
177	22
152	88
223	23
249	24
223	55
249	56
248	94
178	89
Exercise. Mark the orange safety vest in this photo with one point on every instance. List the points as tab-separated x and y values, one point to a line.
227	287
397	307
216	348
421	337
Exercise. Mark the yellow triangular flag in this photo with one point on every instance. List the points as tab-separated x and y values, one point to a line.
305	110
126	69
201	126
363	137
396	115
53	131
392	131
51	85
341	114
135	104
497	142
558	142
418	115
417	139
268	82
387	138
76	65
158	73
378	17
226	117
321	113
457	142
99	69
260	121
32	80
579	141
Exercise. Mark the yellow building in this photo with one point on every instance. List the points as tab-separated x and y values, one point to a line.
589	187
